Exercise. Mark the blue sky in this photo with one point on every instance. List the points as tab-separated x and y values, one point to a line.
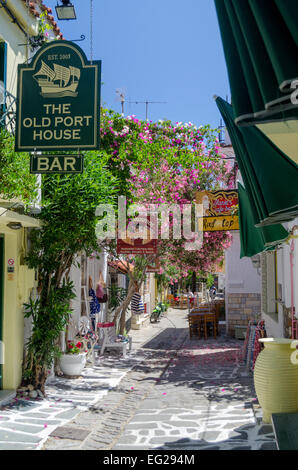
158	50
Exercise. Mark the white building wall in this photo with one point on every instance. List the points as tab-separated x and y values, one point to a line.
17	51
241	276
122	281
279	325
242	287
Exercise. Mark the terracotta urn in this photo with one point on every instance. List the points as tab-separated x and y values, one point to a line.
276	377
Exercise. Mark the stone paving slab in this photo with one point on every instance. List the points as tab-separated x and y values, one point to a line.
25	421
66	432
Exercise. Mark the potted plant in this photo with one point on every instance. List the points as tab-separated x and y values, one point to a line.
73	361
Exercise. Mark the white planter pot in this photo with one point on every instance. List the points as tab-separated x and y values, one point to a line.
72	364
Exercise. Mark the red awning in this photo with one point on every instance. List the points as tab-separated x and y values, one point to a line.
121	266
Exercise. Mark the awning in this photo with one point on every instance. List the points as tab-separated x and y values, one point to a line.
121	266
270	177
260	40
255	240
7	216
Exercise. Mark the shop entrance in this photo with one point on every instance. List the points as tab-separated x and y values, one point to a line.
1	304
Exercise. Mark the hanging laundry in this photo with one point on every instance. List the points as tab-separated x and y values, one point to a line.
137	306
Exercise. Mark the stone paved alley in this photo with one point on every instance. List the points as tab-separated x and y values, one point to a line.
169	393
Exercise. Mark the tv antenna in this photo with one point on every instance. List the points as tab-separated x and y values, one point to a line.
147	102
121	97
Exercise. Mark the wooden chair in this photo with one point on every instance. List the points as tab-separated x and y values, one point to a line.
183	302
201	309
217	307
196	324
196	301
210	320
190	302
171	300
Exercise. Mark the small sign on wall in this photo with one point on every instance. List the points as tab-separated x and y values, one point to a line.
10	269
53	164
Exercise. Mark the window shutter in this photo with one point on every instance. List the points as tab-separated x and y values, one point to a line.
264	283
268	295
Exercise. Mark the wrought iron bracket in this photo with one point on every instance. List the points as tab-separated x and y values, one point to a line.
83	37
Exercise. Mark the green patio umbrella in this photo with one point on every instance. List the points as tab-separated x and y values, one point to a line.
260	40
254	240
269	176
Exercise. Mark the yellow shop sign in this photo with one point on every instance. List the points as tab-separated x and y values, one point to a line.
220	210
222	223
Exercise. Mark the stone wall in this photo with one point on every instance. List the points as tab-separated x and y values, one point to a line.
241	309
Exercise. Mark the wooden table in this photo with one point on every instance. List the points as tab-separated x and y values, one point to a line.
199	318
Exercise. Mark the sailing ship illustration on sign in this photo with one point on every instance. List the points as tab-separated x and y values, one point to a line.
60	82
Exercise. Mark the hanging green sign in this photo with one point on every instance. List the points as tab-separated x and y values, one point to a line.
58	105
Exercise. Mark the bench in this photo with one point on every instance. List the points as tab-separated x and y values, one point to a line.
285	427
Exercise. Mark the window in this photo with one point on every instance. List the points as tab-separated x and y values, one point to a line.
3	62
2	70
114	279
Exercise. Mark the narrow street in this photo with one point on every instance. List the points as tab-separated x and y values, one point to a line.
132	192
180	394
169	393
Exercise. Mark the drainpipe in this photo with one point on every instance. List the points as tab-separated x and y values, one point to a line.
14	19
